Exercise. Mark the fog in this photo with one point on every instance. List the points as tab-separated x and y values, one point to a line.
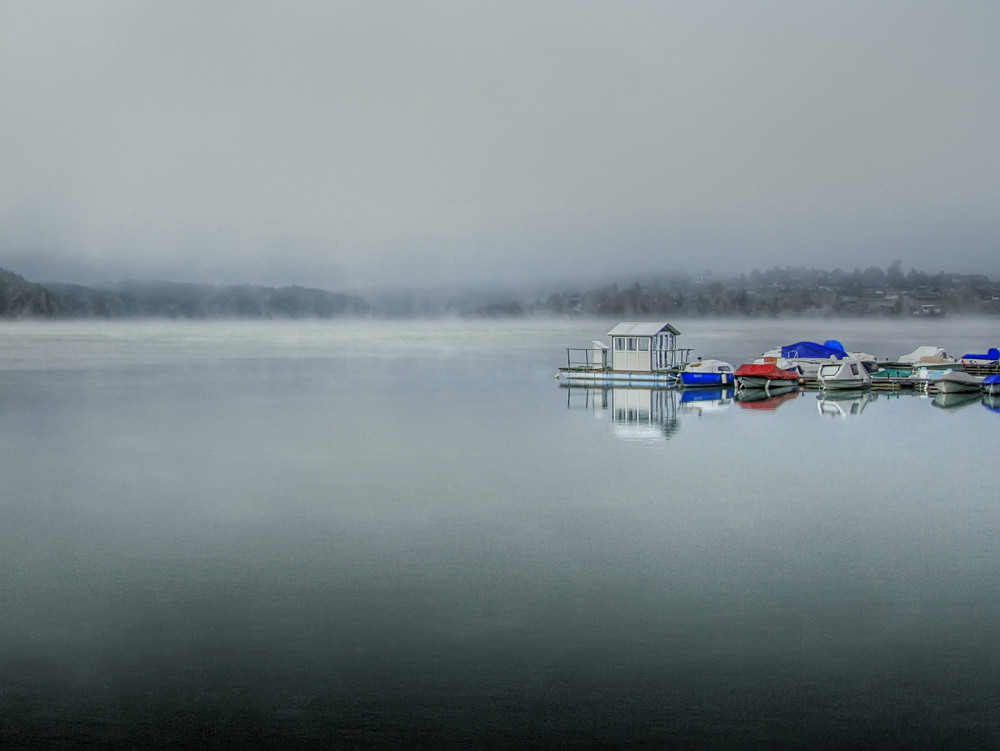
348	145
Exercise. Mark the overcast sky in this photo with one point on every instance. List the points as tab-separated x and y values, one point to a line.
341	144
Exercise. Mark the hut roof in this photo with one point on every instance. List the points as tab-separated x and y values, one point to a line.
642	328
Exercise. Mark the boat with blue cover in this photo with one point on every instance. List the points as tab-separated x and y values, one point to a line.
990	358
991	384
808	356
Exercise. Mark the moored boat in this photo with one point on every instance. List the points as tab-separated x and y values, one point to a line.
766	376
990	358
807	357
710	373
849	373
926	356
956	382
991	385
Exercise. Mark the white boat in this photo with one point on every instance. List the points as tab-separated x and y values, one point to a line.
923	376
956	382
926	356
848	373
640	353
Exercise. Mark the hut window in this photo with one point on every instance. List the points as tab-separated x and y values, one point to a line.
631	344
644	344
620	343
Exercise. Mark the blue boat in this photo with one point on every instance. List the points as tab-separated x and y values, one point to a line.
991	385
991	357
707	373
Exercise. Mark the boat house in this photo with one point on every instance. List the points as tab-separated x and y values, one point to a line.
644	346
639	351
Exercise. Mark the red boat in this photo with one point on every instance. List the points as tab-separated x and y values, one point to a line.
764	376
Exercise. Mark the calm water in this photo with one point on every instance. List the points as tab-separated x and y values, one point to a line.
372	534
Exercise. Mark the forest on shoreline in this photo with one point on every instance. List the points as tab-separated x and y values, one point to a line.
778	292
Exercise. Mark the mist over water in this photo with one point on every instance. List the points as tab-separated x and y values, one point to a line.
386	534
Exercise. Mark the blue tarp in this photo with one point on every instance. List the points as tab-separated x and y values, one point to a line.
993	354
829	348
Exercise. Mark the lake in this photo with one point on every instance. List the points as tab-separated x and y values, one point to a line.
375	534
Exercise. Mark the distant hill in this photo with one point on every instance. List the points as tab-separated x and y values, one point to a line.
20	298
180	300
788	291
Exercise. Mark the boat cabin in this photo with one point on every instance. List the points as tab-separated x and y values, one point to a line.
644	346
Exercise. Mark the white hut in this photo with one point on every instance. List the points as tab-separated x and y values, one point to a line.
644	346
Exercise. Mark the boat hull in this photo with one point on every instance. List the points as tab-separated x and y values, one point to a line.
950	384
747	383
707	380
991	385
845	384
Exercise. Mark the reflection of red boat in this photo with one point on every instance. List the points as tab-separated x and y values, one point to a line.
751	400
766	375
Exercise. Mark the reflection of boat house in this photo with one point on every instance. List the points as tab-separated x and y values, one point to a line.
644	347
635	412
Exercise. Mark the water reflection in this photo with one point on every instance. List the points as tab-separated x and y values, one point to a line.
845	403
636	413
766	399
957	399
992	402
706	401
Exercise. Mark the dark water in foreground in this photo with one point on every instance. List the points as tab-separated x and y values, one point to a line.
408	535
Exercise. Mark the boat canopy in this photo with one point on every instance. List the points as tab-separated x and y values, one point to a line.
925	354
765	370
993	354
830	348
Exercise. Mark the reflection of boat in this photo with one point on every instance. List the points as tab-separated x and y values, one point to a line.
707	373
953	399
766	399
991	385
844	403
956	382
848	373
767	376
705	401
642	353
637	413
992	402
